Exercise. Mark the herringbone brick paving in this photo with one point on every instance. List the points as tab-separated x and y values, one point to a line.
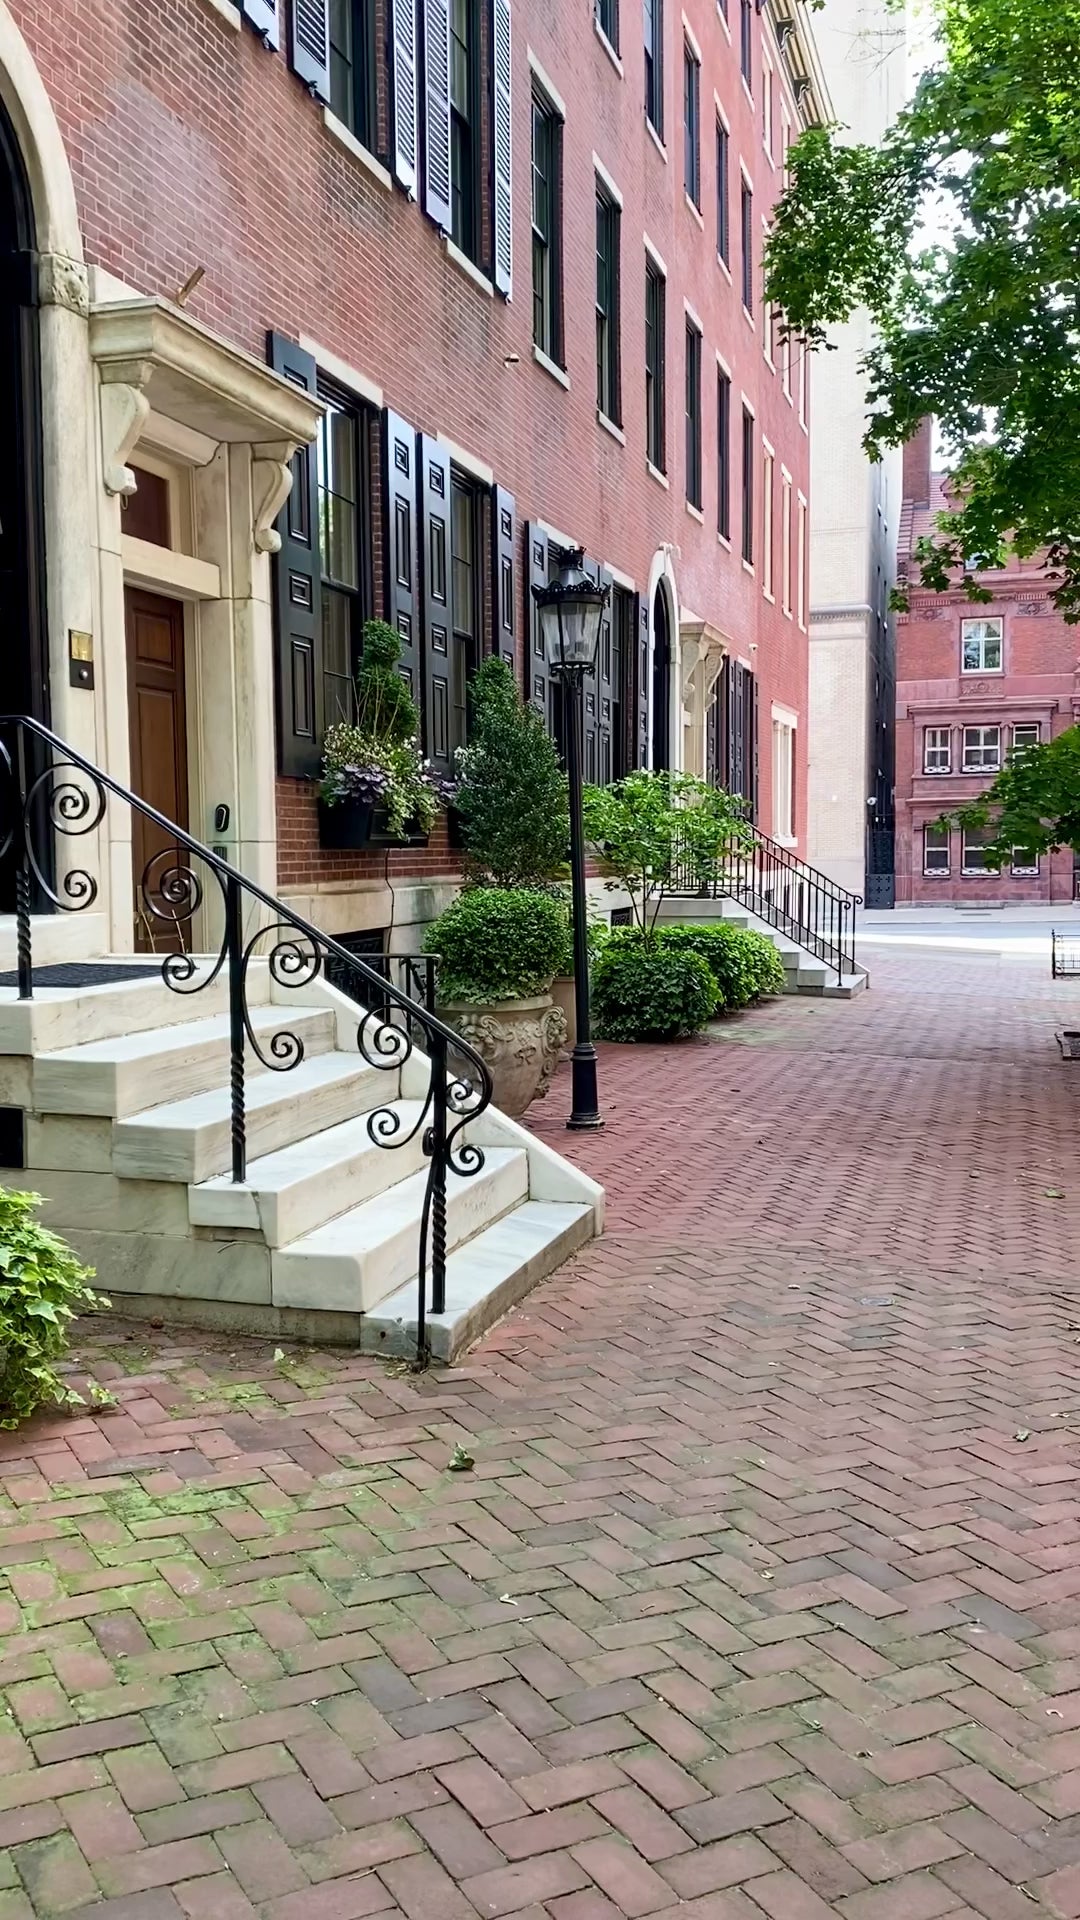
762	1599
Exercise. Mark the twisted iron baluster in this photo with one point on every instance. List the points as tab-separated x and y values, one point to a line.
22	879
234	948
437	1143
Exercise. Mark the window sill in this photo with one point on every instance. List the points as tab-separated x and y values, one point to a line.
746	88
551	366
936	873
748	566
982	673
724	268
346	138
695	513
656	139
749	318
468	267
610	426
723	19
786	839
657	475
770	597
612	52
724	539
693	208
225	11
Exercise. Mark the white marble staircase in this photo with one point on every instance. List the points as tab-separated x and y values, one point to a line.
124	1094
804	972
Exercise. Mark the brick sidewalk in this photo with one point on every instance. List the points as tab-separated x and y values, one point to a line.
760	1601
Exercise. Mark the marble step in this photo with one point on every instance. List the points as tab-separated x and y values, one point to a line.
289	1193
190	1139
358	1259
59	1017
128	1072
484	1279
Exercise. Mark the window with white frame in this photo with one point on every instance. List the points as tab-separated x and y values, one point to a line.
1024	861
980	646
1026	733
800	564
785	540
982	749
783	735
767	106
935	850
976	841
767	522
937	750
804	380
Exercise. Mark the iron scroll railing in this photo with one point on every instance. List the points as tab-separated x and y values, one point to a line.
48	789
781	889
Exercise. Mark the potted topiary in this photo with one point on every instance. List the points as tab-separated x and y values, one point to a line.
498	950
510	807
376	788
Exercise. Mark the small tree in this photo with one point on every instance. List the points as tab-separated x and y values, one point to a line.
656	828
1034	803
385	708
512	793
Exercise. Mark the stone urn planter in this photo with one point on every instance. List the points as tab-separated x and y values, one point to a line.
562	993
519	1042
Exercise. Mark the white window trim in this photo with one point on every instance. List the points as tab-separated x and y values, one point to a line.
227	12
607	182
724	21
694	318
554	97
659	144
468	462
978	620
345	375
980	766
607	46
973	873
655	255
935	773
346	138
1024	873
691	39
936	873
551	367
467	266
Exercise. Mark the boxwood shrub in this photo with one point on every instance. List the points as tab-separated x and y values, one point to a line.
42	1287
498	943
744	963
650	991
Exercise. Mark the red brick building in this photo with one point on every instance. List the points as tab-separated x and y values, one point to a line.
482	278
974	682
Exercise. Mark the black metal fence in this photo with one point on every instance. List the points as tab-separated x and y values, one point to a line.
772	882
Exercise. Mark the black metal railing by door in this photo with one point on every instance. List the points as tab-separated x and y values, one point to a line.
781	889
50	793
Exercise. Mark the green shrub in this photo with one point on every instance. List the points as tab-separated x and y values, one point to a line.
744	964
42	1287
498	943
512	792
385	708
648	991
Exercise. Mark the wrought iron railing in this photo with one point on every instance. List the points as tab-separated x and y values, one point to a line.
49	793
780	888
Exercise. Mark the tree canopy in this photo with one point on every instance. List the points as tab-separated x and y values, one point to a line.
960	233
1033	803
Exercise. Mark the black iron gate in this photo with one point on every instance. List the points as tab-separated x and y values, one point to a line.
880	888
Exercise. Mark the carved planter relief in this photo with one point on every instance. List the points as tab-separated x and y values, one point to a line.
519	1041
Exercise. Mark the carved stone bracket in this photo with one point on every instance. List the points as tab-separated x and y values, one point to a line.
702	651
63	282
271	480
124	407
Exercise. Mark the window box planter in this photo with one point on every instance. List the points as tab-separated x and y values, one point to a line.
350	826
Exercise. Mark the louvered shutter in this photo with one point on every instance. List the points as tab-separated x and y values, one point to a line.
298	622
436	16
263	15
309	45
504	570
399	541
640	682
502	143
403	93
435	574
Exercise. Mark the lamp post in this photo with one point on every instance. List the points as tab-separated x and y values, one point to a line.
570	610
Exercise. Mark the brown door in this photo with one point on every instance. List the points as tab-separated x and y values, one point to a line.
158	728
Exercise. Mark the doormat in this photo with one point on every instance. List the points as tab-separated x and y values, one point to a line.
1069	1042
83	973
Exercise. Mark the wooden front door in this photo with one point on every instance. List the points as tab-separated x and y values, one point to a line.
158	728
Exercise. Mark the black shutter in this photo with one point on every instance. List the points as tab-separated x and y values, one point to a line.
399	541
298	625
501	145
640	682
436	17
504	575
309	45
736	733
754	755
542	692
435	575
604	688
403	93
263	15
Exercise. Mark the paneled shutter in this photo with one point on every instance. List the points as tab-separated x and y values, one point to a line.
298	624
263	15
754	750
403	93
435	575
590	696
504	570
604	686
399	542
502	143
640	682
539	688
436	16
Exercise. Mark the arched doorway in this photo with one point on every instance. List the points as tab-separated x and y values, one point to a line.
661	684
21	500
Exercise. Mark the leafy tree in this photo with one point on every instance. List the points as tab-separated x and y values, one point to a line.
1034	802
961	235
385	708
657	830
512	794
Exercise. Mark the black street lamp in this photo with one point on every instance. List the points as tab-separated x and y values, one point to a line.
570	611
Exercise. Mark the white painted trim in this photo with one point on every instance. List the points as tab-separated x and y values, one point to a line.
748	404
548	86
786	714
656	255
691	39
721	115
606	181
162	568
551	366
722	364
469	267
340	370
724	22
656	140
618	577
346	138
696	513
767	447
609	426
468	462
694	210
693	316
607	46
225	11
658	475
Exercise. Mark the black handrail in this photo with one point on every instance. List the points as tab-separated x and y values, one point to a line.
781	889
35	803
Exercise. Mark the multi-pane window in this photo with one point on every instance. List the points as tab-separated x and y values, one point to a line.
723	454
935	850
767	107
352	66
937	750
785	543
342	557
607	19
654	64
655	321
767	521
1026	733
748	486
980	646
723	194
693	414
465	135
746	43
982	749
608	397
1024	861
466	575
691	123
546	228
783	733
747	226
976	841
